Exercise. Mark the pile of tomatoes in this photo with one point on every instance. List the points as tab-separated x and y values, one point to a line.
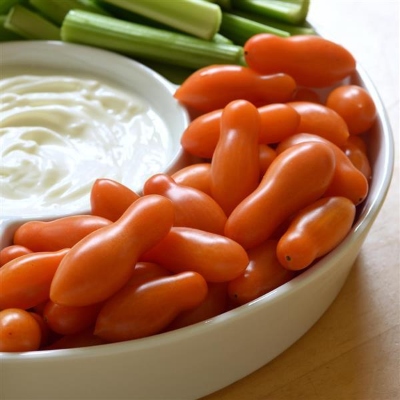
283	165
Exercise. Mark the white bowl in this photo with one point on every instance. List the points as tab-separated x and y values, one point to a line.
197	360
127	75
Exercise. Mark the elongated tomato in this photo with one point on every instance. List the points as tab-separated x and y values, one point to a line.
263	274
235	166
213	87
358	157
110	199
193	208
67	320
266	155
322	121
296	177
311	60
101	263
347	181
25	281
150	307
196	176
201	136
12	251
216	257
215	303
59	233
277	122
85	338
315	230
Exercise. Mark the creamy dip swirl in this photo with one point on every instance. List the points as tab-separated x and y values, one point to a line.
59	133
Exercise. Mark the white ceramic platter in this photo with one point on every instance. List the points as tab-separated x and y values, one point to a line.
197	360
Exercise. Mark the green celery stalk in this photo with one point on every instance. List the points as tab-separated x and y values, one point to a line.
146	42
5	34
93	5
302	29
6	5
195	17
30	25
130	16
240	29
56	10
291	11
219	38
224	4
127	15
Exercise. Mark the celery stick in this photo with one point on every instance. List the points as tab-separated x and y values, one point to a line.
302	29
146	42
291	11
5	34
195	17
218	38
240	29
224	4
6	5
130	16
56	10
127	15
94	6
30	25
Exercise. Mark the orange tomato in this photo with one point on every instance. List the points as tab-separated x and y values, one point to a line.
145	272
215	303
216	257
67	320
196	176
45	332
235	166
347	180
12	251
355	105
193	208
263	274
322	121
57	234
315	231
310	59
110	199
359	141
307	94
215	86
19	331
85	338
201	136
297	177
25	281
266	155
277	121
102	262
149	308
358	157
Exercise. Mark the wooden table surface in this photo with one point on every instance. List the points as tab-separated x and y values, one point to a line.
352	352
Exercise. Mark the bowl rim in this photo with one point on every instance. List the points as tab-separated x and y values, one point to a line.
12	52
362	225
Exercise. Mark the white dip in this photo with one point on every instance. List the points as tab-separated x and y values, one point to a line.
59	133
